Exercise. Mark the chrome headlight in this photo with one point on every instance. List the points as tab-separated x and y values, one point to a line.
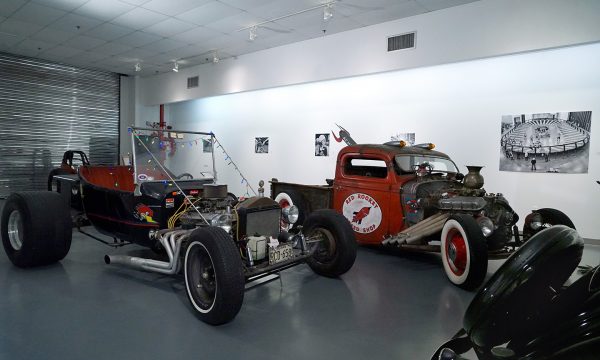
486	225
224	221
290	214
536	222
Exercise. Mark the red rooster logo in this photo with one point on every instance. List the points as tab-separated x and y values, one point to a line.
144	213
361	214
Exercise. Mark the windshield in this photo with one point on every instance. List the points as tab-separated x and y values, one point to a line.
172	155
407	163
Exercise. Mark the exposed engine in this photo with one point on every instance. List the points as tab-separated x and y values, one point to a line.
423	198
253	222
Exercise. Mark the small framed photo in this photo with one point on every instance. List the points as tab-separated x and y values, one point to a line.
321	144
261	145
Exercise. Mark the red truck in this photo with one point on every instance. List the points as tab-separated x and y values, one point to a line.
415	198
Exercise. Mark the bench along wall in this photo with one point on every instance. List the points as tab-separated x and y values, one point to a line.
456	106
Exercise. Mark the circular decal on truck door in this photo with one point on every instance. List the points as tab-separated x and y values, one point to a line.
363	212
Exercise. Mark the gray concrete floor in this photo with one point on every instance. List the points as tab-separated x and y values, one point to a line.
388	306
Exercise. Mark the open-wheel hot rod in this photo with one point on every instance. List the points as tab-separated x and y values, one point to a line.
169	200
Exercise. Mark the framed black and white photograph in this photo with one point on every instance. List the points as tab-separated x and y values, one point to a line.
321	144
261	145
546	142
207	146
409	138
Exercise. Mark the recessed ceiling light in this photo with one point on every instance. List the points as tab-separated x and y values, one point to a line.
138	67
215	58
253	34
175	66
327	12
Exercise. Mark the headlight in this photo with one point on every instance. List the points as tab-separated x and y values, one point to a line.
486	225
290	214
536	222
224	221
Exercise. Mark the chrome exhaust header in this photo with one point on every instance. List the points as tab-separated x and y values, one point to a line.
171	242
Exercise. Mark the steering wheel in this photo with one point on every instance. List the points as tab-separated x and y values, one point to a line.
423	169
184	175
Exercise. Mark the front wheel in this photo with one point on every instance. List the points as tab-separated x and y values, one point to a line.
332	241
541	219
214	277
464	252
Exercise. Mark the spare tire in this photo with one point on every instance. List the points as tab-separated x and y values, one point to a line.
288	198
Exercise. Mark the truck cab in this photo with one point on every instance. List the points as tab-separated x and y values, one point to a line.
373	186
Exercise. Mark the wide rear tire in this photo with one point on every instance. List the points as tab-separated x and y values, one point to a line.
336	252
464	252
214	277
36	228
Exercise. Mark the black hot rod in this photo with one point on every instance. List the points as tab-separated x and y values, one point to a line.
169	200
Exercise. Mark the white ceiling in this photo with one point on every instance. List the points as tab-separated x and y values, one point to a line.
114	35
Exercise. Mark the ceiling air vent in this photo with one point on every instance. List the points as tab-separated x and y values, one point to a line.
399	42
192	82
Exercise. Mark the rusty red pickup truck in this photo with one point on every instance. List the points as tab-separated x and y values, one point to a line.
415	198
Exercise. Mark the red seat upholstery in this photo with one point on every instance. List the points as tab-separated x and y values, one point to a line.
110	177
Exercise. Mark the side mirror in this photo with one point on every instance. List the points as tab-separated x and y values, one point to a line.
459	176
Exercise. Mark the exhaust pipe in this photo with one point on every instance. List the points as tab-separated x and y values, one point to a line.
171	241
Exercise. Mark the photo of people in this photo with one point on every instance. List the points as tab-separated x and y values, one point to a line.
261	145
546	142
321	144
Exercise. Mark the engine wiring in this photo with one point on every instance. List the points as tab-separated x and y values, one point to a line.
179	212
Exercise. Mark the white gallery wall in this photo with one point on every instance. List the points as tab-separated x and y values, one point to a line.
456	106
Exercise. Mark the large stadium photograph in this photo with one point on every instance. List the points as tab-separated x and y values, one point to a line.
546	142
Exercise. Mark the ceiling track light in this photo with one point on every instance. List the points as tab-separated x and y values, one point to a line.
175	66
253	34
138	67
328	12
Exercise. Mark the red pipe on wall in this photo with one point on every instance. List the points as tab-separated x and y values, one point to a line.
161	123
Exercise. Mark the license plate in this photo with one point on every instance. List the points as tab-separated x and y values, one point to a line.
281	253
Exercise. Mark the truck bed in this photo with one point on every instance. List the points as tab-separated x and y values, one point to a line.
315	196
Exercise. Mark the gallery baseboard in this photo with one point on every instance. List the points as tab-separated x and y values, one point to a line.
592	241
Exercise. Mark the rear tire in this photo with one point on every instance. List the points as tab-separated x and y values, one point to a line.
464	252
336	252
36	228
214	277
289	198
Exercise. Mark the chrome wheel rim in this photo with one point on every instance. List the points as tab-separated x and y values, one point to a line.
15	230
